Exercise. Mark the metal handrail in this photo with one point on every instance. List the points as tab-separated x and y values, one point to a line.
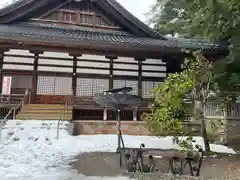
13	110
20	105
63	113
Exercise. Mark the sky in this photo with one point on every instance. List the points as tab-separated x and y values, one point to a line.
137	7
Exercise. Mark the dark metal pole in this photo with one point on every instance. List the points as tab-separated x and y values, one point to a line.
119	134
118	128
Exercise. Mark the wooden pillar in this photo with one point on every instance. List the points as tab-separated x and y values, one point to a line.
110	86
1	68
2	51
35	75
112	58
74	75
140	60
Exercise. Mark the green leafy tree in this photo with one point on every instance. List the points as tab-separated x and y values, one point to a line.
183	96
215	20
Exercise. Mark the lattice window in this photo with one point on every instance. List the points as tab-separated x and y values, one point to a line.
45	85
126	83
156	84
133	85
63	85
84	87
147	87
90	86
119	84
54	85
100	85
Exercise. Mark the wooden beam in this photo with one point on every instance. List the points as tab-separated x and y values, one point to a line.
34	79
35	75
74	74
86	48
111	71
1	64
1	68
54	9
140	60
63	23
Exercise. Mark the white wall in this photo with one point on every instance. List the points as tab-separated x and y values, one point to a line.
83	63
62	85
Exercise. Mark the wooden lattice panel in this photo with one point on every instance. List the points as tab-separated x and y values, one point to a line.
126	83
51	85
91	86
147	86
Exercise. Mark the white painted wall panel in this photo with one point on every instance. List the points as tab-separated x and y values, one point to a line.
55	62
151	74
55	54
154	61
125	73
125	66
53	69
18	59
92	64
17	67
92	71
93	57
19	52
153	68
125	59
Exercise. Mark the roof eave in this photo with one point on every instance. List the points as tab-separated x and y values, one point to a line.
148	51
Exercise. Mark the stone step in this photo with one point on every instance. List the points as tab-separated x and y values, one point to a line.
44	112
43	117
44	106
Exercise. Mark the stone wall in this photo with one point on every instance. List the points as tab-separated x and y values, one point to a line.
109	127
233	134
138	128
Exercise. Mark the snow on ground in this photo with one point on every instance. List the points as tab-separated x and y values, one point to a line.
29	150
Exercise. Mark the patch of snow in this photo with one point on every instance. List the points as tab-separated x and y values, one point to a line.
29	150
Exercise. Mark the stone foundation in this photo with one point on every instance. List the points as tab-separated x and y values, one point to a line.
138	128
109	127
233	134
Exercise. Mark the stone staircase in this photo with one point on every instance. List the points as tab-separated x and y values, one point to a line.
44	112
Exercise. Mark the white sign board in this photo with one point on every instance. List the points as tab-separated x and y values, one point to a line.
7	84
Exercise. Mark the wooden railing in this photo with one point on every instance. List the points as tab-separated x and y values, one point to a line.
86	106
213	112
20	106
13	111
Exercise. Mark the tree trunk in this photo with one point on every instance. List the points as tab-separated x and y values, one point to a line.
204	129
205	136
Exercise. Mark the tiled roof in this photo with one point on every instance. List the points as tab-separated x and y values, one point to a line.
51	33
21	10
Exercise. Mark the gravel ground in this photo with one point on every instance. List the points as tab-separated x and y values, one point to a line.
107	164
